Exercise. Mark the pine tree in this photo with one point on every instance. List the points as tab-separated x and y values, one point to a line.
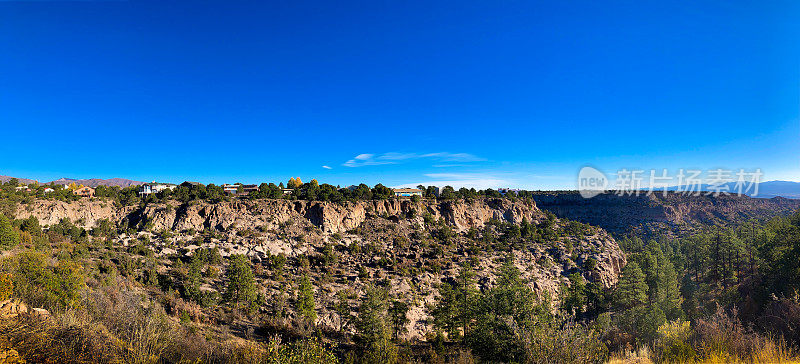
241	283
632	289
373	327
398	314
503	311
191	286
575	301
662	281
669	297
455	309
8	236
292	183
305	299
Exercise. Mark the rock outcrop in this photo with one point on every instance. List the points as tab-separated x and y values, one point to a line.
83	212
243	214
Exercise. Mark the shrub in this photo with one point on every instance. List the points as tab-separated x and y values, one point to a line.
41	284
674	343
568	343
590	264
127	265
6	286
329	256
723	338
310	351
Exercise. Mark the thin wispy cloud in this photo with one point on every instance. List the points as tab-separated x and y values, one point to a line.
367	159
454	157
327	167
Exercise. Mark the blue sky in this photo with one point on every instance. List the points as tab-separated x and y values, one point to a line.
484	94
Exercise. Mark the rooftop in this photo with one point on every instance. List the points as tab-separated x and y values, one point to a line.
401	190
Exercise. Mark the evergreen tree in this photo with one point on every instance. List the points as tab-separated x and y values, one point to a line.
448	193
575	301
648	324
503	312
398	314
305	299
456	307
31	225
632	289
8	236
669	296
372	325
781	254
191	286
662	281
241	284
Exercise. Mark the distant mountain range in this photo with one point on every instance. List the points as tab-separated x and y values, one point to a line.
23	181
92	182
786	189
770	189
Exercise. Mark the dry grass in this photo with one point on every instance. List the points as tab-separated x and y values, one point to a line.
44	341
721	338
635	356
769	355
112	326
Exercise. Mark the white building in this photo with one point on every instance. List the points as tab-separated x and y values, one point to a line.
151	188
407	192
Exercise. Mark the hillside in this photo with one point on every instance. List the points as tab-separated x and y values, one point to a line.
414	247
227	277
94	182
4	179
769	189
672	213
91	182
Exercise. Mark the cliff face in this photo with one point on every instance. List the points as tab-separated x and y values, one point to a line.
240	214
84	212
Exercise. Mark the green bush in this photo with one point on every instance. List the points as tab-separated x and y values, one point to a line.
8	235
46	285
673	344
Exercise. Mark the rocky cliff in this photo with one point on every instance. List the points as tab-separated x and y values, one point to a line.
242	214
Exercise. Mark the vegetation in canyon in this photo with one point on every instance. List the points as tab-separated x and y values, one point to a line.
194	275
